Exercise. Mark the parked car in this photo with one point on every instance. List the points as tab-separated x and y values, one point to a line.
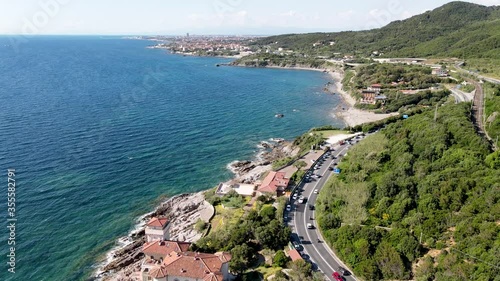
288	208
337	276
343	271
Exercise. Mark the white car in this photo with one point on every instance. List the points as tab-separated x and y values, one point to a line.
316	191
294	196
310	226
288	208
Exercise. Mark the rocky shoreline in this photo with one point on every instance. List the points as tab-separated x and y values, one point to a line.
124	261
183	211
250	171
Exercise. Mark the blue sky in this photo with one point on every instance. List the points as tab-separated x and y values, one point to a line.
204	16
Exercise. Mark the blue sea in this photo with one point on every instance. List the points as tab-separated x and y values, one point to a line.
100	129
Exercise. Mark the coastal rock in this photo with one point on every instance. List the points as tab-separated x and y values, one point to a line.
183	212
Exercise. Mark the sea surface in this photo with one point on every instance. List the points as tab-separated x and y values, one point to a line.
100	129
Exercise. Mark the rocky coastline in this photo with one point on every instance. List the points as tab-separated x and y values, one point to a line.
124	261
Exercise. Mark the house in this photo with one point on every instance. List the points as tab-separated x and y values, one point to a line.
375	87
157	229
368	96
275	183
186	265
440	72
158	250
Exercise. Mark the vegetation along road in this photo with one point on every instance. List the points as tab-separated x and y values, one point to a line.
314	247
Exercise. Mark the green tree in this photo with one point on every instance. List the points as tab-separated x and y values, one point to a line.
272	235
493	160
389	261
299	164
241	257
301	270
200	225
267	214
280	259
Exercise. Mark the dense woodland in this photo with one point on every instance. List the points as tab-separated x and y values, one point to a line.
424	191
492	110
457	29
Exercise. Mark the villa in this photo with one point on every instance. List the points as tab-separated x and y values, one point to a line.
275	183
181	265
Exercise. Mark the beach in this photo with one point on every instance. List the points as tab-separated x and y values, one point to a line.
351	115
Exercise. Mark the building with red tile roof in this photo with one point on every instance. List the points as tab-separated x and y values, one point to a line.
157	229
274	183
157	250
294	255
188	266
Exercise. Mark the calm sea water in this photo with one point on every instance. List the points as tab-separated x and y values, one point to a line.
99	129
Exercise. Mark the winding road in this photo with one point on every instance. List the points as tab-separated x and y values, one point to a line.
318	253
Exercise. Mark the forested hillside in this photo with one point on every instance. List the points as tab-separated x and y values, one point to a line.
421	193
455	29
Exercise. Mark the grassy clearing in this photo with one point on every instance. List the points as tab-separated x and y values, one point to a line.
486	67
224	217
268	271
331	133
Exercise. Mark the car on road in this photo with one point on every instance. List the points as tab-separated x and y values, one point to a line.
337	276
310	226
288	208
311	207
316	191
330	168
343	271
294	196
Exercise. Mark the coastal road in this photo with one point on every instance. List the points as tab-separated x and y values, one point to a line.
318	253
485	78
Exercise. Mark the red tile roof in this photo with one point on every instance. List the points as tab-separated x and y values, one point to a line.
158	222
294	255
164	248
273	181
376	86
194	265
158	272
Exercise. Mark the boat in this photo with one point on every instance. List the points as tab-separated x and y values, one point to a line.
279	115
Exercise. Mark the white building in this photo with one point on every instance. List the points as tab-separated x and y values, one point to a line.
157	229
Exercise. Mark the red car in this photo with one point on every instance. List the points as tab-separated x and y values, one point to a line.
337	276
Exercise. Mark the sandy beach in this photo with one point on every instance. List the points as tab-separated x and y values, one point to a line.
351	115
